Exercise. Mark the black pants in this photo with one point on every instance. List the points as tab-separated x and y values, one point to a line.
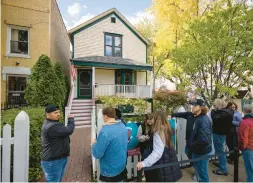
232	141
118	178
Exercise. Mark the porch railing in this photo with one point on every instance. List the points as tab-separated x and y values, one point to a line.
15	99
128	91
69	104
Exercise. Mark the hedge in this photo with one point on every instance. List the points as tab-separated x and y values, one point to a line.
37	118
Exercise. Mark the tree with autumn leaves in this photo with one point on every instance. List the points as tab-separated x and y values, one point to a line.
205	45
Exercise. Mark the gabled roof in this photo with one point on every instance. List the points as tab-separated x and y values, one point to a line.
104	15
110	62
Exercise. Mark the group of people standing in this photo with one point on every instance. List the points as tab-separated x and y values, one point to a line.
207	131
111	148
224	126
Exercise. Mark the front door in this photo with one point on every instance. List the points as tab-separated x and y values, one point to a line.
84	83
126	78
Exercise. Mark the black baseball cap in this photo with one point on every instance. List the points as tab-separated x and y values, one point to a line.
199	102
51	108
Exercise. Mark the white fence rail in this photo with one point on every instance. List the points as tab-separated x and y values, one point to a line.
128	91
21	150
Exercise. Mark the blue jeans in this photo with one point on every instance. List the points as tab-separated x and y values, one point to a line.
219	146
201	167
248	163
54	170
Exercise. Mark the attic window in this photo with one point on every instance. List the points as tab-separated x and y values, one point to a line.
113	19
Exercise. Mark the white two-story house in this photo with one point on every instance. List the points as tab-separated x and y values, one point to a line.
110	59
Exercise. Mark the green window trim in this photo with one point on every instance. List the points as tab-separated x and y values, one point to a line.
113	44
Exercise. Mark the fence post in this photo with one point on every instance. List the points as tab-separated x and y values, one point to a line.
67	112
236	164
21	147
6	159
93	136
139	175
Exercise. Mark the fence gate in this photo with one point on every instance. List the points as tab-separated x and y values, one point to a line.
20	157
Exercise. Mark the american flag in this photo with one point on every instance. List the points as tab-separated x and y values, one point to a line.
73	73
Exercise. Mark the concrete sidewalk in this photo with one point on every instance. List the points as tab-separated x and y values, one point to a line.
188	173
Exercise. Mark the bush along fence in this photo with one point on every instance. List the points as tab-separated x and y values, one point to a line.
236	164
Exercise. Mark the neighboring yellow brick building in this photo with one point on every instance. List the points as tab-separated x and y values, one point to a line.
29	28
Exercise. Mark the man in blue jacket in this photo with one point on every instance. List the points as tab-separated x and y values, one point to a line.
111	148
201	139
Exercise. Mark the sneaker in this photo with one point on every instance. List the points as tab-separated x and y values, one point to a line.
218	172
194	178
230	162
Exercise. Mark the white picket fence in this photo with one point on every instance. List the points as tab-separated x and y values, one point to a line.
97	123
21	150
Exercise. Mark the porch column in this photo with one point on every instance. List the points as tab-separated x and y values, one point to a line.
151	83
93	84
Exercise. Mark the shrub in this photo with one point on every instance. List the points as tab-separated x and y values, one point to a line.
167	100
62	78
140	105
37	118
44	86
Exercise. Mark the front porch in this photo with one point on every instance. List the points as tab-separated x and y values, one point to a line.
109	76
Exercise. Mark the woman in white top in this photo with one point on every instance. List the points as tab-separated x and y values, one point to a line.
160	150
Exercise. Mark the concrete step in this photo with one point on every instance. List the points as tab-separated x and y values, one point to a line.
81	114
81	107
82	123
87	118
83	126
82	101
77	111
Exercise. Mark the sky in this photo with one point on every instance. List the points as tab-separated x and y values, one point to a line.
75	12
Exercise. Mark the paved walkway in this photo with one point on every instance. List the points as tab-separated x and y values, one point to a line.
188	173
79	164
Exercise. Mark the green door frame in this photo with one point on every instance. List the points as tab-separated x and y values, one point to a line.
122	77
78	84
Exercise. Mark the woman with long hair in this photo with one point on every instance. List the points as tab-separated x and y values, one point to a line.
160	150
144	132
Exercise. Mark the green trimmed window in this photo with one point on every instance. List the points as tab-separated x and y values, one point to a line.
113	45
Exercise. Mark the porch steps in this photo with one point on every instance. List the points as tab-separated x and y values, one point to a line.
81	110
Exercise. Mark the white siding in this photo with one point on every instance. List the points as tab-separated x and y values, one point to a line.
141	78
104	76
91	41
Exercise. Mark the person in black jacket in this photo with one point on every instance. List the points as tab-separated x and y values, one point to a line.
55	144
201	139
222	123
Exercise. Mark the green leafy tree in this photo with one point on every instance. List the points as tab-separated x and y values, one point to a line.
216	52
44	86
59	73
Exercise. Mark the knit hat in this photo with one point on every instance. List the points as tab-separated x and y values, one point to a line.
51	108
